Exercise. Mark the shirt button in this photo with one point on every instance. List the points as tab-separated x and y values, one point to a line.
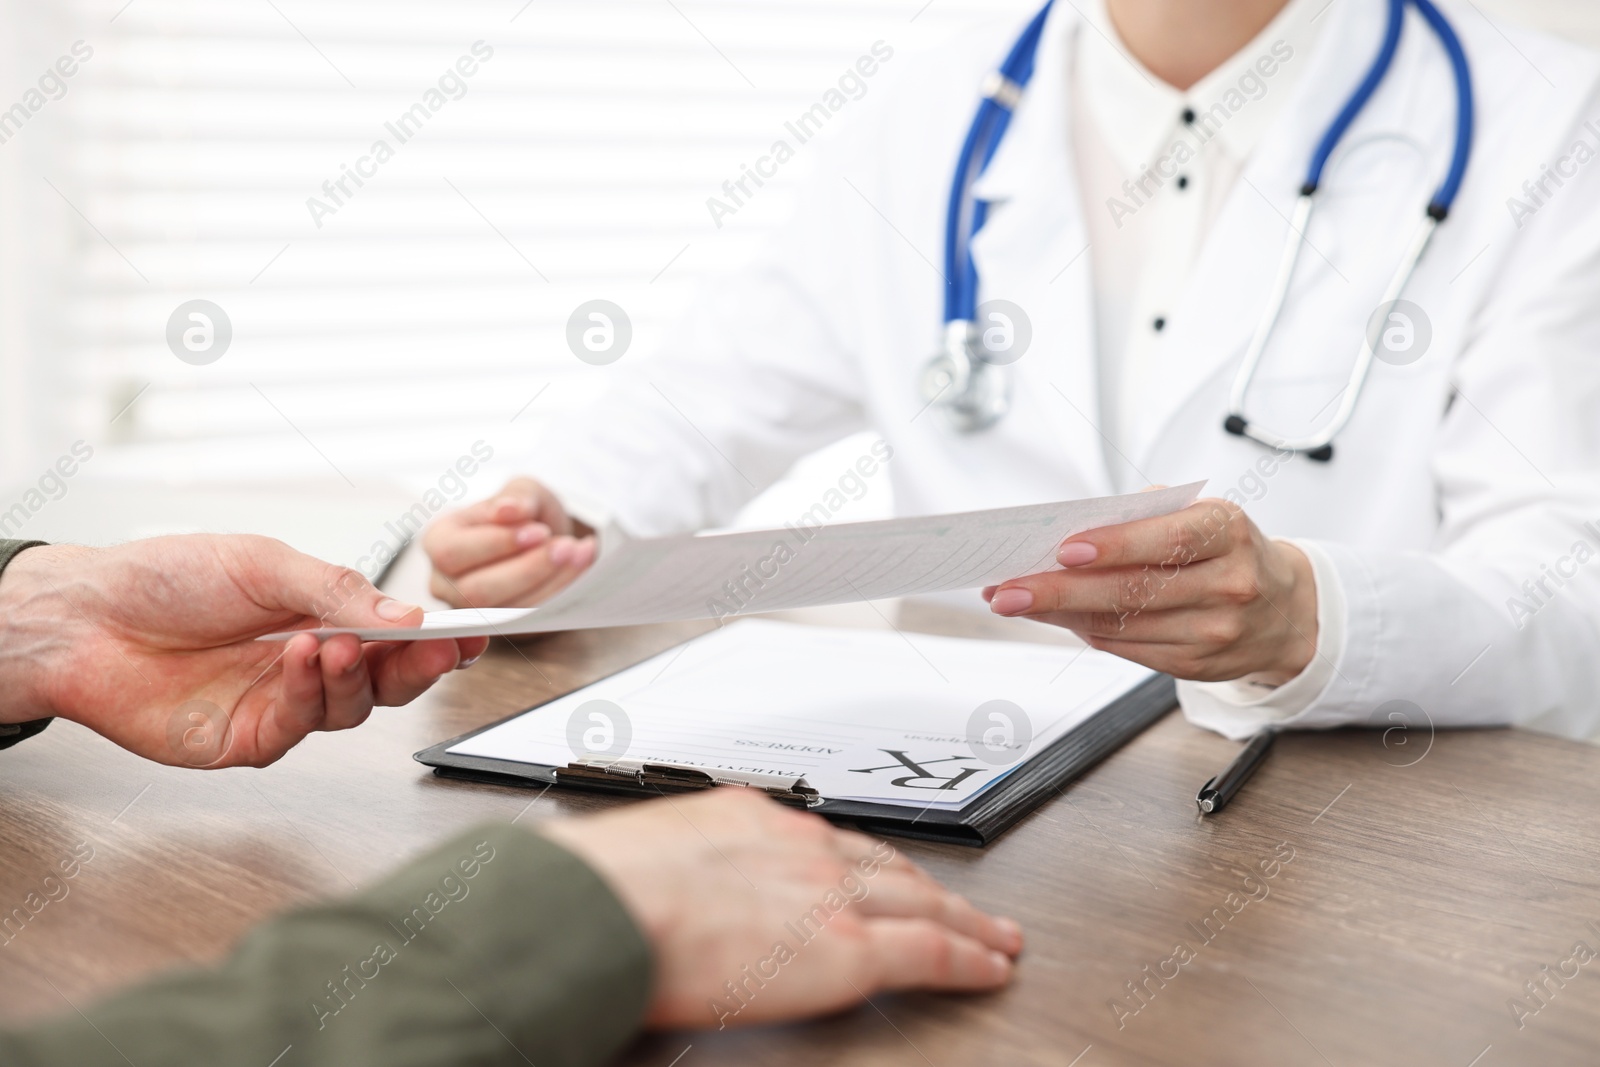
1160	323
1188	116
1183	181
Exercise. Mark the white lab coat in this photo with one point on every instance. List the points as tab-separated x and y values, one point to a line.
1461	476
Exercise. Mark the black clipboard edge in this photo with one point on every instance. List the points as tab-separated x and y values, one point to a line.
993	812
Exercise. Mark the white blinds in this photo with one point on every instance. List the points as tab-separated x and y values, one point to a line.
569	158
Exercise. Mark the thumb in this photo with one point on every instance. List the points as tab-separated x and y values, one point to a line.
334	595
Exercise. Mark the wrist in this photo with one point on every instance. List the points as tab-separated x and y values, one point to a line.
604	847
39	630
1299	607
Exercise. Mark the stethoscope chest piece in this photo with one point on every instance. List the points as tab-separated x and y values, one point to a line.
973	393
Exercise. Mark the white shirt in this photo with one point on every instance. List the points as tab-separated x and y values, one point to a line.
1155	165
1153	183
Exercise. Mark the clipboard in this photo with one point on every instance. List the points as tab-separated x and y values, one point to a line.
977	822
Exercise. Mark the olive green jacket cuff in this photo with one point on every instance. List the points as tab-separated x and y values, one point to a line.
11	733
498	947
9	549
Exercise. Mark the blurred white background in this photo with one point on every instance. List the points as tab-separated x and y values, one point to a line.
429	311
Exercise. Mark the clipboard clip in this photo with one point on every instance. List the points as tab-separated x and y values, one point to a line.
786	788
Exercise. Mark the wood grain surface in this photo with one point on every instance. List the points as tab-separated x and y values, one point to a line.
1360	903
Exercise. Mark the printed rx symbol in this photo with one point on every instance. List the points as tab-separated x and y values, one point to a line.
920	772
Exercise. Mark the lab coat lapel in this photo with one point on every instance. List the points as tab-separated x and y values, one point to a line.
1033	251
1226	295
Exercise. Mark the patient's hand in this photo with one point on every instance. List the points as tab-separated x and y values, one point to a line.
151	645
516	549
758	912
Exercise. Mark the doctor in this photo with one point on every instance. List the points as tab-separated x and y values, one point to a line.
1129	240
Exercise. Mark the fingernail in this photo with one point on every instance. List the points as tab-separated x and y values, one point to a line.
1011	601
561	550
583	554
1010	928
988	592
532	534
1077	553
1001	963
315	657
391	610
464	664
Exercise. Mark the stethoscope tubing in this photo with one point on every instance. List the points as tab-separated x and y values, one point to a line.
1319	445
966	215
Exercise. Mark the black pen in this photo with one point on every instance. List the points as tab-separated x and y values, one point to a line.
1219	790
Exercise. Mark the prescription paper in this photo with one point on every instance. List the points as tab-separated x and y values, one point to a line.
728	575
881	716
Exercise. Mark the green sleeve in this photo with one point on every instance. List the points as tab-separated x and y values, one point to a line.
11	733
499	947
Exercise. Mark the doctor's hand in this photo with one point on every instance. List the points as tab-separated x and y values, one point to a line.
151	644
1201	594
731	887
515	549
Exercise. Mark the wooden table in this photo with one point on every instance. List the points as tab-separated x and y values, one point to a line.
1417	901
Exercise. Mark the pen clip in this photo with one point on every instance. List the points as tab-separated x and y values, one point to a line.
1206	799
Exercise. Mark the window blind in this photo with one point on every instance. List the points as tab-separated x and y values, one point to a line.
389	306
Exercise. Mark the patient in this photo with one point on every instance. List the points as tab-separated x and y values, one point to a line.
499	946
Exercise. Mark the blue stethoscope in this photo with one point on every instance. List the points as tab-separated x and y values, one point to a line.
974	388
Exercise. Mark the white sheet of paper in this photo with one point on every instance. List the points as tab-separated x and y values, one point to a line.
718	576
830	704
